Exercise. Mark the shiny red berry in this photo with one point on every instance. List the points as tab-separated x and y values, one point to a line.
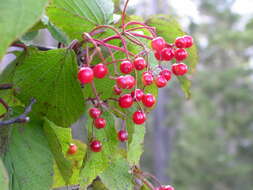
160	81
148	100
94	113
100	70
85	75
158	55
166	74
179	69
147	78
158	43
180	42
122	135
167	54
126	67
125	82
72	149
181	54
117	90
137	94
167	187
126	101
139	117
96	146
188	41
100	123
140	63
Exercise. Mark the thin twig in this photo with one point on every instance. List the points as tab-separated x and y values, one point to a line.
21	118
6	106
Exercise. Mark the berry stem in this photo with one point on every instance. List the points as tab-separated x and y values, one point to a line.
118	33
86	35
5	105
141	35
152	177
124	14
151	29
123	124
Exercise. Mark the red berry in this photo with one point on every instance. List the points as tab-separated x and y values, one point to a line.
85	75
158	43
167	54
167	187
158	55
166	74
72	149
122	135
126	67
181	54
188	41
160	81
139	63
94	113
125	82
96	146
147	78
126	101
148	100
137	94
179	69
180	42
100	123
117	90
100	70
139	117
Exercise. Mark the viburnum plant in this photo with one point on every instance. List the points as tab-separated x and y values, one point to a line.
105	70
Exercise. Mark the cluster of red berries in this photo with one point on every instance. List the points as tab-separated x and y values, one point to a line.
163	52
167	187
167	52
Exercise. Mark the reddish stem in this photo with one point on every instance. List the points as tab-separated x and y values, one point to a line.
141	35
124	14
142	24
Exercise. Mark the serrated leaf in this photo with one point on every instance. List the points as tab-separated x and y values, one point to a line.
169	28
77	16
117	176
76	163
4	179
28	158
51	78
96	163
58	139
16	18
135	148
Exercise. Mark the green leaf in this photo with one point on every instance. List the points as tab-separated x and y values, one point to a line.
50	77
59	139
135	148
17	17
4	179
117	176
76	163
98	185
28	159
185	84
77	16
96	163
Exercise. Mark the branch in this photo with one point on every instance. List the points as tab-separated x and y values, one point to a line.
5	86
21	118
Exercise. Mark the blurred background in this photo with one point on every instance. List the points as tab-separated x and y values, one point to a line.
205	143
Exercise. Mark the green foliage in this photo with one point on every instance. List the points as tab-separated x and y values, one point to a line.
96	163
28	158
135	148
117	175
16	18
58	139
56	72
79	16
4	179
